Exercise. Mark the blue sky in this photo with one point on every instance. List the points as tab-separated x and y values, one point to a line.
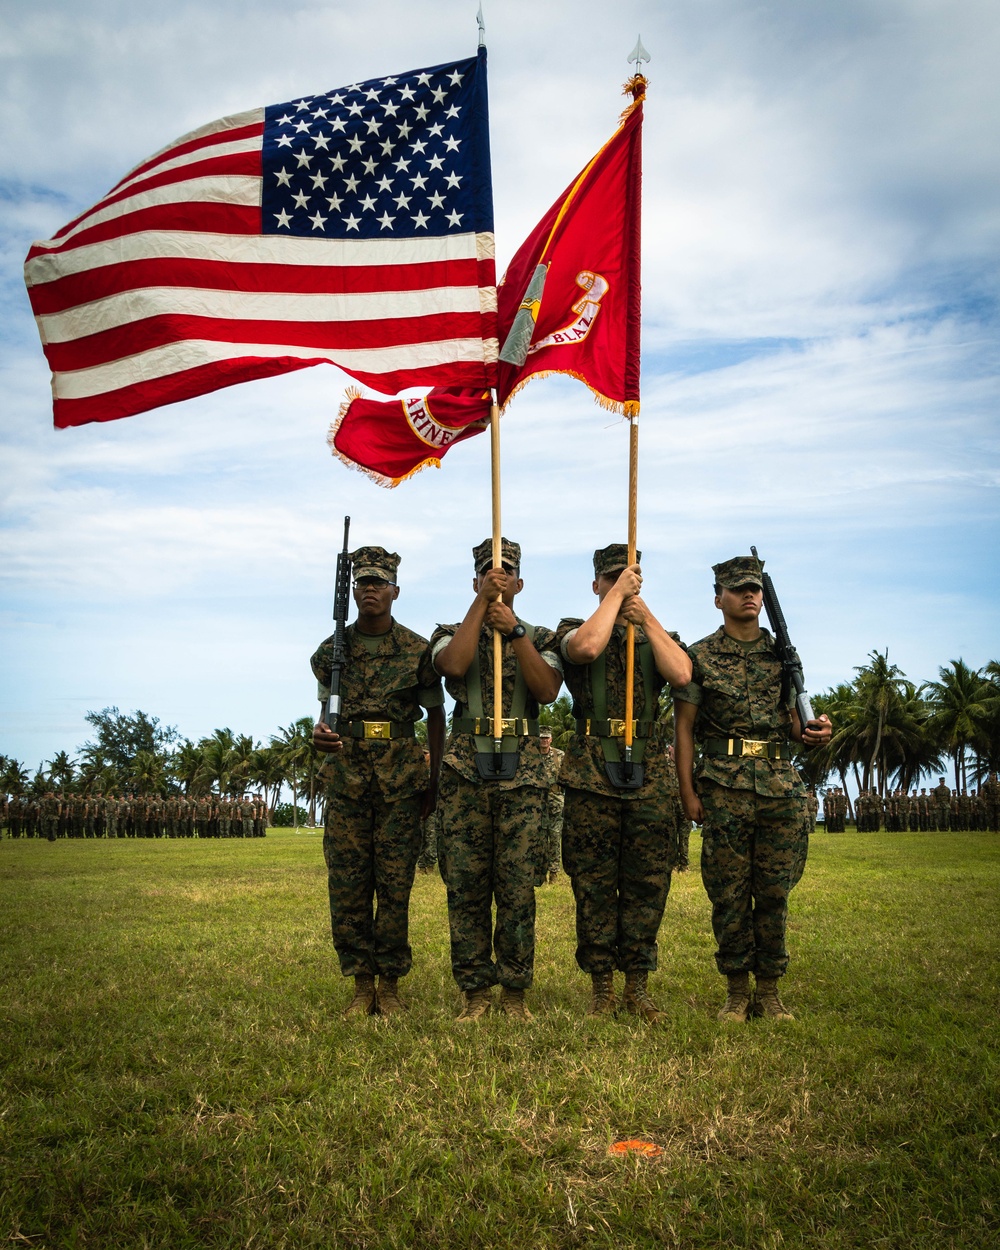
820	261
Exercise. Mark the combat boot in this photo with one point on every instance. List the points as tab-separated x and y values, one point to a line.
363	1002
389	1002
767	1004
602	1002
636	1000
476	1004
512	1004
736	1008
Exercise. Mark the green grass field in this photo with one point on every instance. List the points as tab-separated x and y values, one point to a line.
175	1072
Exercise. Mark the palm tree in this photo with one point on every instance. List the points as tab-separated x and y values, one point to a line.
267	771
559	718
16	777
148	775
185	765
879	686
961	703
61	770
218	759
298	756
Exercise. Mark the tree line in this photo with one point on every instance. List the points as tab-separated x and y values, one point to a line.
888	733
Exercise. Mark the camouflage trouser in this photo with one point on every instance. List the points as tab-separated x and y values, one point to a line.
489	849
682	859
429	830
371	849
555	809
752	855
619	854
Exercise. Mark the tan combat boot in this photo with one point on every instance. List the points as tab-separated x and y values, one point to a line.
363	1002
736	1008
602	1002
389	1002
476	1004
767	1003
512	1004
636	1000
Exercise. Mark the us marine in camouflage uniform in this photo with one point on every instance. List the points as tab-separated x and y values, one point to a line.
749	796
552	812
619	842
490	847
377	783
991	803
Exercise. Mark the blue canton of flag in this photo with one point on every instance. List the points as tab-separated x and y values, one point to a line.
388	158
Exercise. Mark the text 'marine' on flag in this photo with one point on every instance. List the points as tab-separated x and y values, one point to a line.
353	228
571	296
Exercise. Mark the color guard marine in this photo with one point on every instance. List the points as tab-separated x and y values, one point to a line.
377	783
490	848
748	796
619	832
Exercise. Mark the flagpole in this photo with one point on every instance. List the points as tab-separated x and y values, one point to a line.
637	86
497	563
633	525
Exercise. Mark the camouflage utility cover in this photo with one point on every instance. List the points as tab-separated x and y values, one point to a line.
393	684
510	553
740	571
374	562
737	691
613	558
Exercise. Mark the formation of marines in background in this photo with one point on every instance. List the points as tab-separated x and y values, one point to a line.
940	809
55	816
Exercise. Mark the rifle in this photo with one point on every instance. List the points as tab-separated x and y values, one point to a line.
791	665
330	714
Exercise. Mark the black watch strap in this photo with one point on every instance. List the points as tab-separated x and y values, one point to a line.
517	632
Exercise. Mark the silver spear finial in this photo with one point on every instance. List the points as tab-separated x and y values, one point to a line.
482	28
638	54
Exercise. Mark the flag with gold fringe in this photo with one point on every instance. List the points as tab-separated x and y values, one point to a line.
569	303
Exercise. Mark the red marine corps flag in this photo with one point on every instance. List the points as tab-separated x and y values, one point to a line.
568	303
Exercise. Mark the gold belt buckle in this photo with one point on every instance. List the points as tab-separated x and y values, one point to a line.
617	727
377	729
508	727
754	747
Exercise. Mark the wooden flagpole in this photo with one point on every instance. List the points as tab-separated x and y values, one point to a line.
637	86
633	510
497	563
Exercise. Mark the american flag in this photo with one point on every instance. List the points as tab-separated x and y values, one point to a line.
353	228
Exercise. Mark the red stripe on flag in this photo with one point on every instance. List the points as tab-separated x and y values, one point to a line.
239	164
190	383
182	149
212	275
151	332
201	217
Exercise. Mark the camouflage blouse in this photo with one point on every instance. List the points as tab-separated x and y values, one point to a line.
393	682
737	690
583	767
460	751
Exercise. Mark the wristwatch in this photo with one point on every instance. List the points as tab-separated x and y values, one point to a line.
517	632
